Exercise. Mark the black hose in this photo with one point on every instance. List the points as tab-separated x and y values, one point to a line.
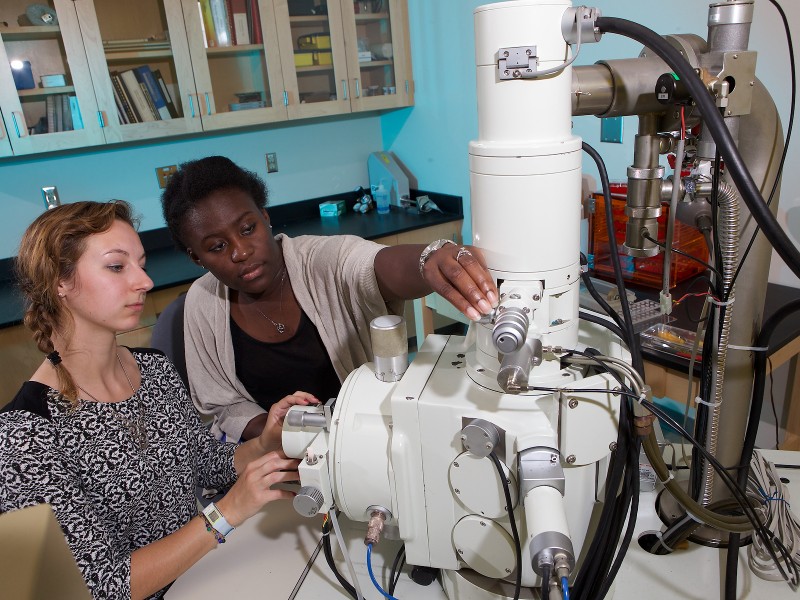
512	521
733	160
546	582
326	548
587	316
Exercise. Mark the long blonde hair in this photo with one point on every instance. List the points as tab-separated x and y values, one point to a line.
48	254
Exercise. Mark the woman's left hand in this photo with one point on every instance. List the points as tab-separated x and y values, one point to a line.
270	438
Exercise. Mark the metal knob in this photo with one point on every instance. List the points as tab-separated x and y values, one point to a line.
308	501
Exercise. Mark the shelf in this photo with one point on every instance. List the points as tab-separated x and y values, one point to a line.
374	64
138	55
309	20
30	32
313	68
362	18
41	93
228	50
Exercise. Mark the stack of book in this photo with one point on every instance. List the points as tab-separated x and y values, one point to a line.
230	22
141	95
63	113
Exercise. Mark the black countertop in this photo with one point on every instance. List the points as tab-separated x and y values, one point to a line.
167	267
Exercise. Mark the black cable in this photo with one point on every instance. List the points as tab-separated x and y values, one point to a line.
513	521
545	582
789	128
326	548
397	569
632	339
586	316
598	297
733	160
647	236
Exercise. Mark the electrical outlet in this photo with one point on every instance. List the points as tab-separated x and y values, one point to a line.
272	162
164	173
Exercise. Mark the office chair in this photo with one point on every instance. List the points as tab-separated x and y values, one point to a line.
168	335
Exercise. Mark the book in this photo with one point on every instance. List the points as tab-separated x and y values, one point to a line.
241	27
66	112
137	97
59	112
256	36
173	110
146	77
50	108
221	26
75	111
207	21
127	105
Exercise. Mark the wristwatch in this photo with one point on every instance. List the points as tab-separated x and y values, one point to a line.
430	249
217	520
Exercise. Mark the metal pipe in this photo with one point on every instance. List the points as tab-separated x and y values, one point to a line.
643	205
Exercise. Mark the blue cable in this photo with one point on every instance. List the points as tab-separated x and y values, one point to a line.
372	576
565	588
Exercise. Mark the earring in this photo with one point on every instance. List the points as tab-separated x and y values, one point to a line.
60	294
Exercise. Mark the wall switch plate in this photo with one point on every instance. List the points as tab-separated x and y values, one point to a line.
50	196
611	130
164	173
272	162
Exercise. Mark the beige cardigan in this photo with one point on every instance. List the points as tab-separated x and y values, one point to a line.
333	278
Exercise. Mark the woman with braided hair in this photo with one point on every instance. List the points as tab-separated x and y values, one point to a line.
107	435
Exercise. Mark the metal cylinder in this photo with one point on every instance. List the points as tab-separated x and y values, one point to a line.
643	205
510	330
389	347
548	532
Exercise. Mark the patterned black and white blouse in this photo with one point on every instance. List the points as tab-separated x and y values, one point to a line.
110	496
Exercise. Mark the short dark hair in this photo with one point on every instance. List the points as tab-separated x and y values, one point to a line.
196	180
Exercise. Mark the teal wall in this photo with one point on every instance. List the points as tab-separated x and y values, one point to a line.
313	160
432	138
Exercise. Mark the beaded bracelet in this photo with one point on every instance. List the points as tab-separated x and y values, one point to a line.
220	538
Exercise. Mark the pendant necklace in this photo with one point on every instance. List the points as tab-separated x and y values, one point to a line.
277	324
137	428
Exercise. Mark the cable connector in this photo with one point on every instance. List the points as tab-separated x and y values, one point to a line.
377	519
665	302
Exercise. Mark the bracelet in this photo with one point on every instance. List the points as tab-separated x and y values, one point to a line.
430	249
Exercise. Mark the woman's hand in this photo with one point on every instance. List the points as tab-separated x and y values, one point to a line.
253	488
270	438
459	274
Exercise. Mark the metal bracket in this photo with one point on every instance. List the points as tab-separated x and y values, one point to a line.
519	62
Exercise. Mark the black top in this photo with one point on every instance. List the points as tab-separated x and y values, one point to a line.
269	370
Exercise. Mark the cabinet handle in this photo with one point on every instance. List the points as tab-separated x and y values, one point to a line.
406	87
191	105
208	104
358	88
344	89
23	131
285	98
101	119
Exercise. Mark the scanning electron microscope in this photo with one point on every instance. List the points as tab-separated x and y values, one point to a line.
502	456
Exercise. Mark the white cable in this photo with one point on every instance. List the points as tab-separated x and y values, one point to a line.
343	546
566	63
766	483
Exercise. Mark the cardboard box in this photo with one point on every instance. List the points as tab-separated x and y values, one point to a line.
332	208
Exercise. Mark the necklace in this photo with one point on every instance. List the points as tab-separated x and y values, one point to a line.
137	427
278	325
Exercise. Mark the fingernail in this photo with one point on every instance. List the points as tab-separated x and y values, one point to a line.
492	298
473	314
485	307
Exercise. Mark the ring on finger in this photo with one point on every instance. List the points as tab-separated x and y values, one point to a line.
462	252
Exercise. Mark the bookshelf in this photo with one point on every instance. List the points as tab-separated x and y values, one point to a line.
205	75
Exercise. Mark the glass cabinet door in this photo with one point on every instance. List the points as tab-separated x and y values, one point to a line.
235	61
378	58
312	49
140	65
46	93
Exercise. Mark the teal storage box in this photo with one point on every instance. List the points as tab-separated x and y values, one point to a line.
331	208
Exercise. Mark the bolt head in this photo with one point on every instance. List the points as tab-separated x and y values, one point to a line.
571	458
612	446
573	403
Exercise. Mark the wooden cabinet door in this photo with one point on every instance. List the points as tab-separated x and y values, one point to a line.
63	114
378	53
139	59
237	71
313	57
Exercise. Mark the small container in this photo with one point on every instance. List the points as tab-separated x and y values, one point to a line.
22	74
381	195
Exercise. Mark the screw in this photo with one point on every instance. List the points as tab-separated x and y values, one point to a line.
455	464
460	355
537	297
505	53
752	83
483	524
517	73
488	446
571	458
573	403
526	310
508	570
460	551
505	72
735	56
409	397
457	491
613	446
528	51
729	113
481	370
514	296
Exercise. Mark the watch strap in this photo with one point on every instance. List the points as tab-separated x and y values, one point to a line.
217	520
